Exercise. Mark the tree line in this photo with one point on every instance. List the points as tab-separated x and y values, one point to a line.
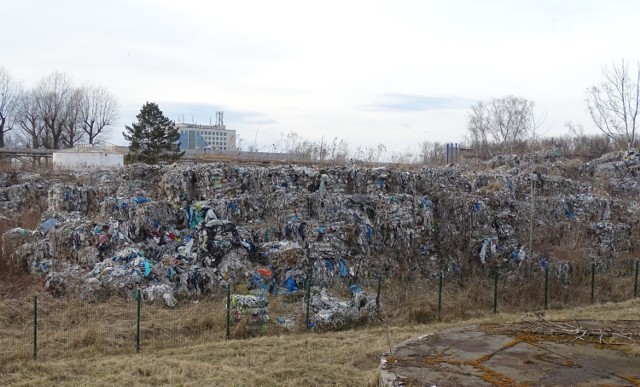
510	124
507	125
54	113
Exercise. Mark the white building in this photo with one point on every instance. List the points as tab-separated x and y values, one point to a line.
88	158
217	137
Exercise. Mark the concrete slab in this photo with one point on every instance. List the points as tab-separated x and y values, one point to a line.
548	353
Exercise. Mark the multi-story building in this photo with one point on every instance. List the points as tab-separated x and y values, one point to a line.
216	137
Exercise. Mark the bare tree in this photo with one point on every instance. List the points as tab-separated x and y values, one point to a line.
403	157
31	134
98	111
55	114
9	94
503	123
432	152
307	150
53	95
381	150
373	154
12	140
339	150
289	141
72	122
613	104
586	145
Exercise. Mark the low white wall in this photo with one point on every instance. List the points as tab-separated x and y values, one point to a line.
87	160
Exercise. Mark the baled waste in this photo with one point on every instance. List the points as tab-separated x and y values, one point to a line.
177	231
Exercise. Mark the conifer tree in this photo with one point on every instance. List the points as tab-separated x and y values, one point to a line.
154	137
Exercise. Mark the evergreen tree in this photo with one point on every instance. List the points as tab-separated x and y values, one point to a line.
154	137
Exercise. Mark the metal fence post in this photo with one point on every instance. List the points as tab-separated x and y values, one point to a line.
635	281
440	294
35	327
378	292
593	282
309	277
495	291
138	300
228	311
546	287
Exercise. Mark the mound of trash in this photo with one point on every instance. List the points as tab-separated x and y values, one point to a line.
182	230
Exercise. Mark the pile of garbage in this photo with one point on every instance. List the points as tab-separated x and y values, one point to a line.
177	231
333	313
251	308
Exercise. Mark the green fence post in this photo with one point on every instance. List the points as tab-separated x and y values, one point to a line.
378	292
138	301
35	327
495	291
635	281
546	287
309	277
228	311
440	294
593	282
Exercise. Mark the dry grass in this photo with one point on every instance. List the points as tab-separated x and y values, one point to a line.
84	343
348	358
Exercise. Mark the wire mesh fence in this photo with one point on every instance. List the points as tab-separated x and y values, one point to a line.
47	327
192	321
16	333
72	325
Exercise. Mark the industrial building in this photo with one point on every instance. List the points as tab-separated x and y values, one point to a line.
214	137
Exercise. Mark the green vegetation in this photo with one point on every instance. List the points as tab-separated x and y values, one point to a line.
153	138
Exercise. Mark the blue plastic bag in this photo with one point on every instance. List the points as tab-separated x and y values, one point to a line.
342	267
291	285
147	269
330	265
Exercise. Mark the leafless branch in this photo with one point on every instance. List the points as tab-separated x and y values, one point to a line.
613	104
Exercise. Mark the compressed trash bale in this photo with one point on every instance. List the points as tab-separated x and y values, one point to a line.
70	237
27	192
610	237
141	178
283	253
202	226
253	308
162	292
150	217
15	237
332	313
67	198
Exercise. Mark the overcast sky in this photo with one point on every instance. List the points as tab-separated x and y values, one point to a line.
392	72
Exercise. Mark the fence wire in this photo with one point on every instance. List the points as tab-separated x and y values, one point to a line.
71	325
